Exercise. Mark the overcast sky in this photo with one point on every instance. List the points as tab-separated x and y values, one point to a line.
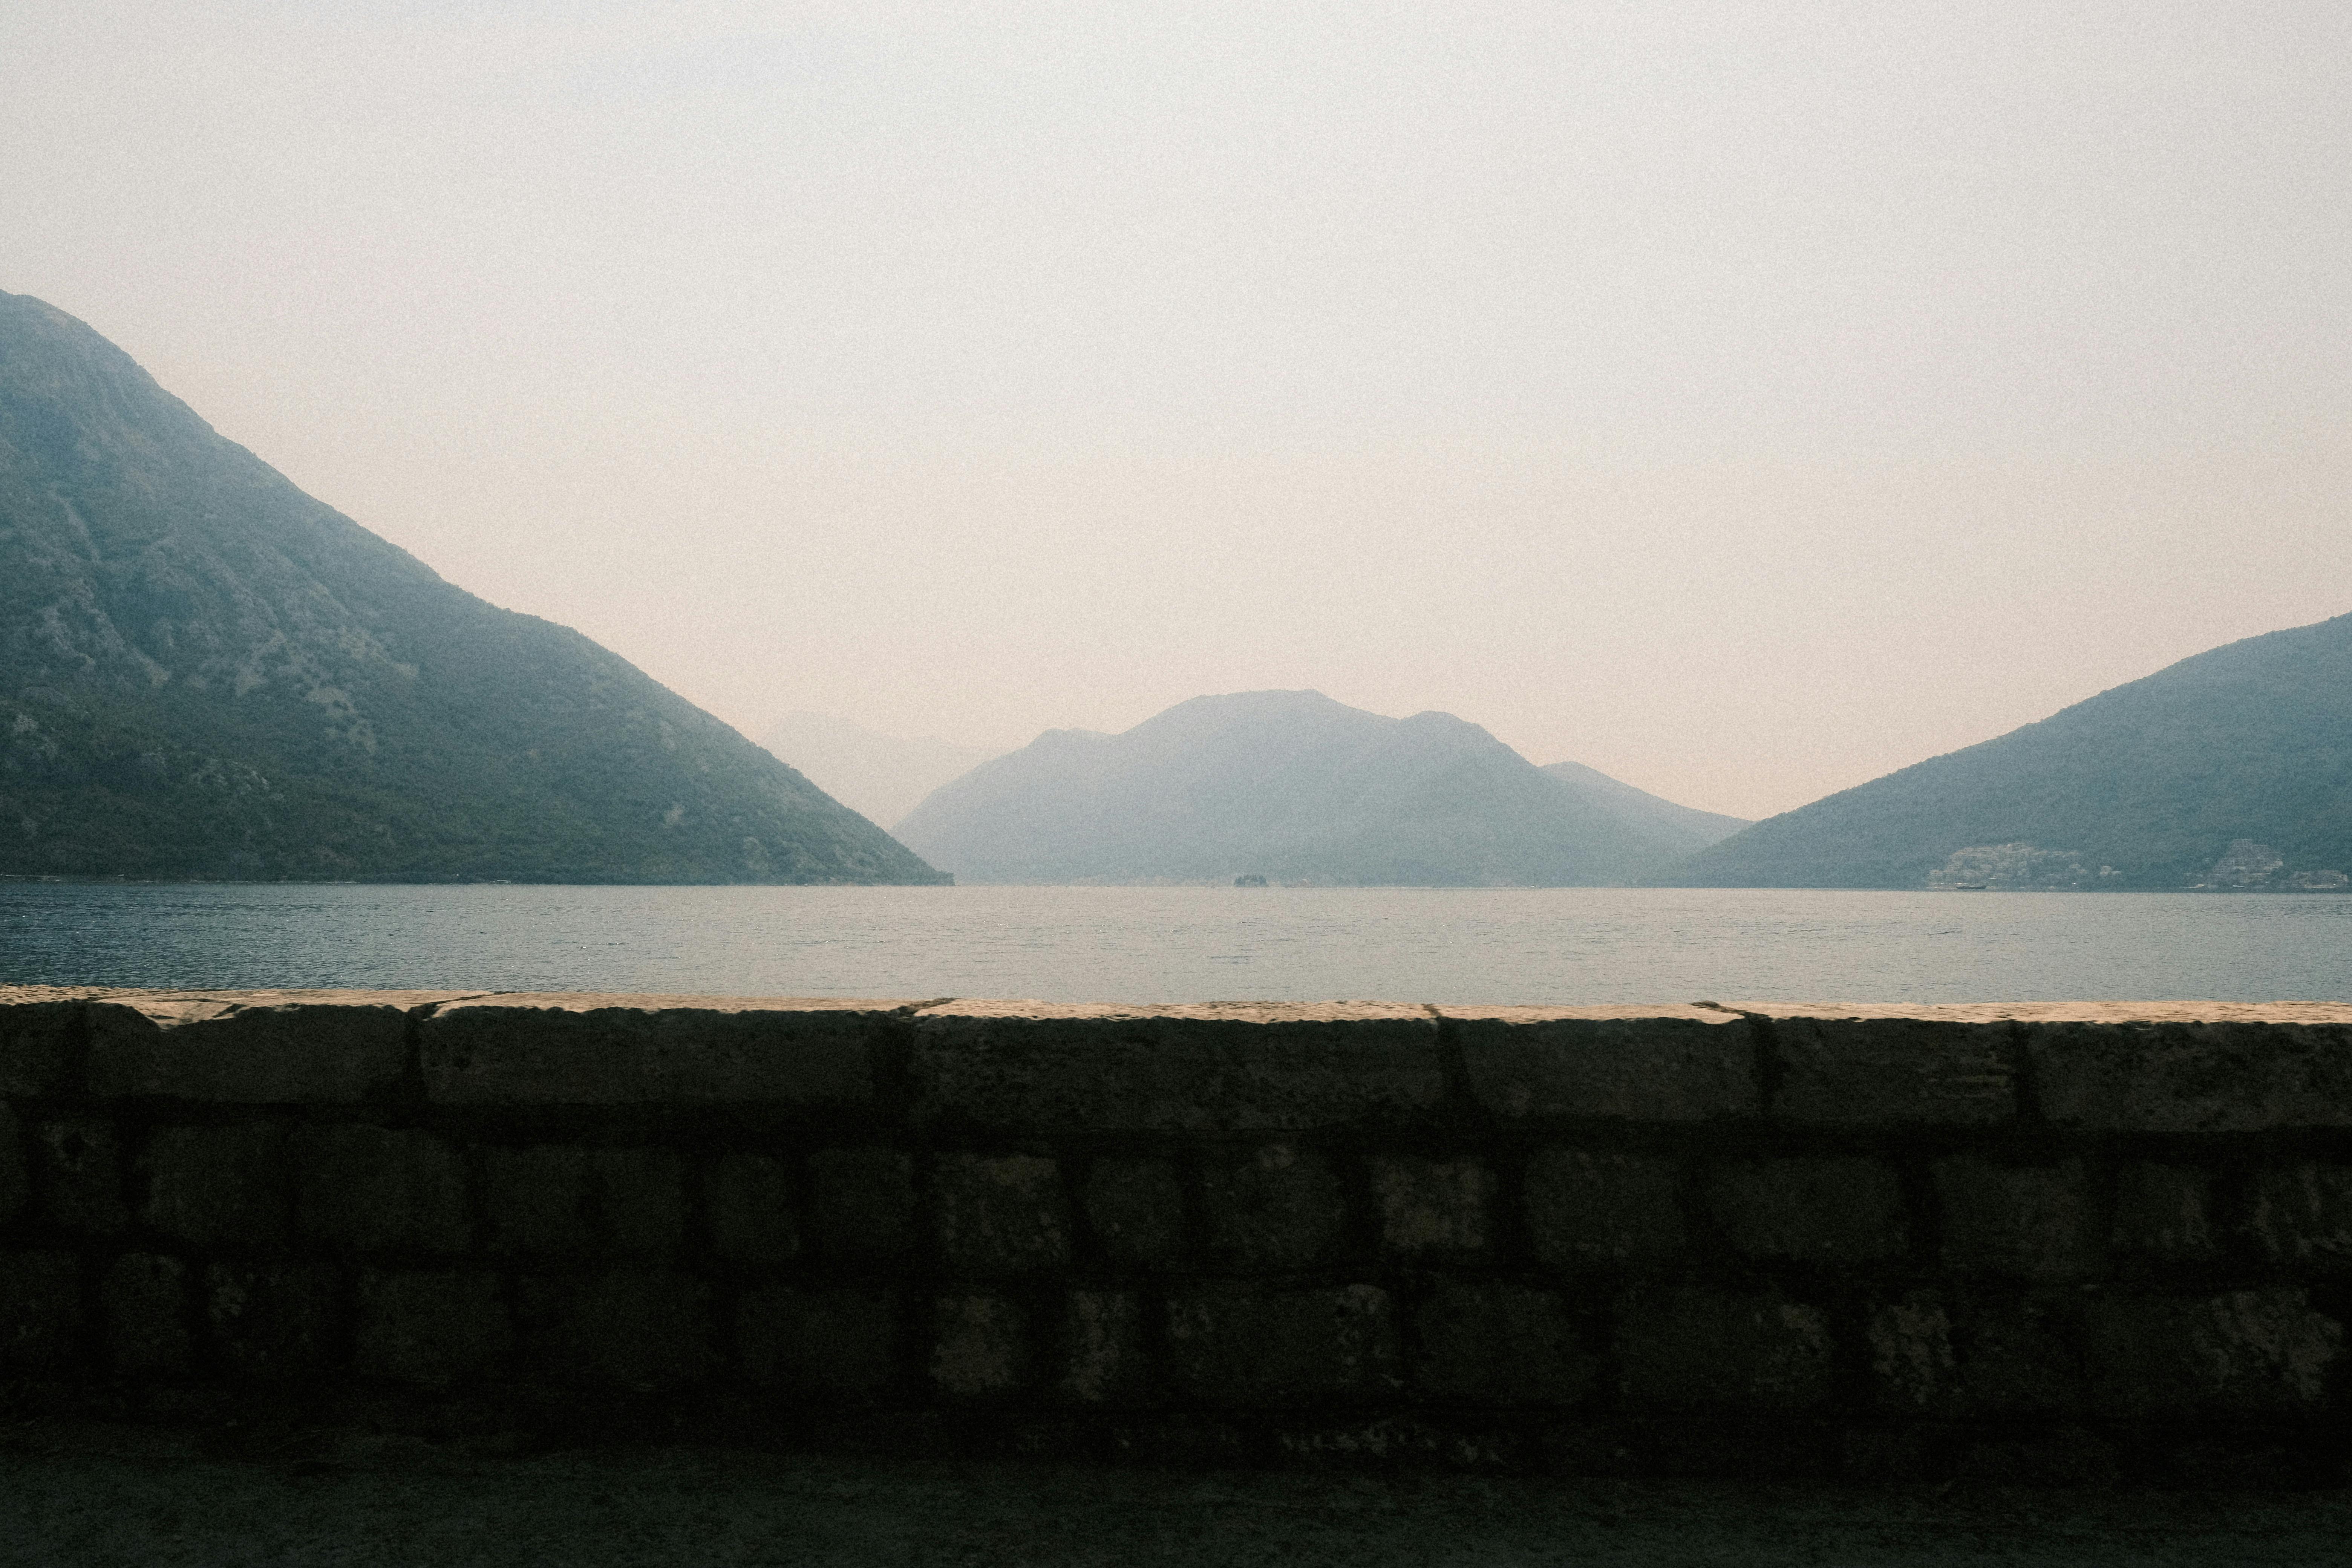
1743	399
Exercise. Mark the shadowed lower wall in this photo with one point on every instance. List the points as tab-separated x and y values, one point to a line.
2036	1243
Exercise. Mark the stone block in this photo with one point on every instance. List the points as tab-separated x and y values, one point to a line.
218	1186
1272	1206
1586	1209
999	1213
1103	1357
980	1346
1433	1206
1243	1347
1633	1064
862	1205
1692	1347
2019	1355
2303	1214
2034	1222
836	1345
1850	1066
433	1328
1809	1210
754	1219
1912	1367
37	1043
145	1298
1217	1068
15	1178
252	1047
2164	1212
641	1330
2197	1067
274	1320
1137	1210
81	1177
639	1197
2242	1352
377	1189
40	1311
1494	1344
580	1048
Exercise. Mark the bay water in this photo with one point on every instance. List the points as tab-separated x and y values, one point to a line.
1190	943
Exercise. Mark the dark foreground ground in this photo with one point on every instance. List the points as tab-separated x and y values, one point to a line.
73	1495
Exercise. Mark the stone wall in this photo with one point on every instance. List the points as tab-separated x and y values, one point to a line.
2042	1243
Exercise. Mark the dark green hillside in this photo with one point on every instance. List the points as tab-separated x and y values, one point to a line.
2229	769
205	673
1288	785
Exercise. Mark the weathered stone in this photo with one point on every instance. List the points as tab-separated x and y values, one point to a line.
1810	1210
432	1327
2038	1222
1224	1067
1587	1208
35	1041
40	1311
2191	1067
536	1200
582	1049
15	1181
81	1177
144	1298
980	1346
2241	1353
2019	1355
1687	1346
1273	1205
1433	1206
640	1330
272	1321
1137	1210
862	1205
375	1189
252	1047
1500	1344
1245	1347
639	1196
839	1344
2164	1211
1635	1064
1000	1214
2302	1213
1912	1368
214	1186
1103	1356
753	1218
1858	1065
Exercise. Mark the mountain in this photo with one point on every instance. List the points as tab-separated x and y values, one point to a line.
1288	785
883	777
2229	769
204	673
1681	826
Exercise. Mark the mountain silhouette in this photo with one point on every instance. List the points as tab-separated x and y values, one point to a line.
1288	785
2232	768
205	673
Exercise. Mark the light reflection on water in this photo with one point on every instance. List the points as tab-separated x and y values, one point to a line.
1176	944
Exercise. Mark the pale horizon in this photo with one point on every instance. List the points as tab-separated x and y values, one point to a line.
1745	405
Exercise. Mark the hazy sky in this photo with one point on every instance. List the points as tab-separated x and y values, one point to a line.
1742	399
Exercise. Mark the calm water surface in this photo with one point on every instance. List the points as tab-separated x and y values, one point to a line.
1180	944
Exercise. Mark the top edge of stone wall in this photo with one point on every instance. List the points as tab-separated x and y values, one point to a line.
2148	1067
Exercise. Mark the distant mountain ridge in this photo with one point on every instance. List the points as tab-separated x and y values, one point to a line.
1289	786
205	673
2229	769
882	777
